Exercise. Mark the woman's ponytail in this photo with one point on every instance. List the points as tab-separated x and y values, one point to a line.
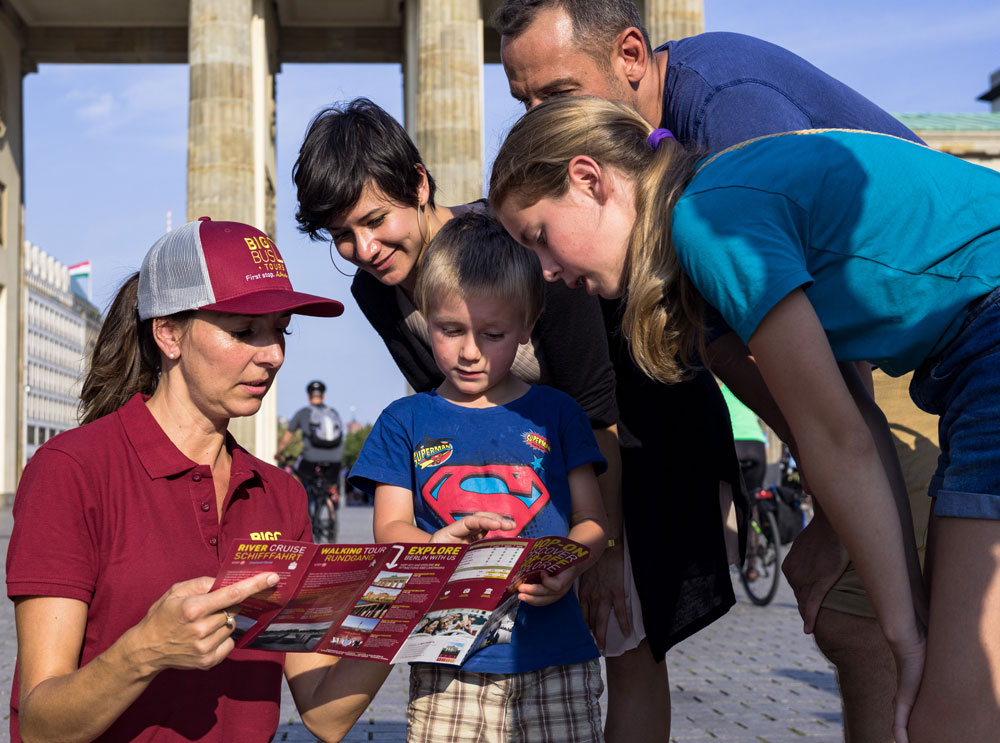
125	359
662	319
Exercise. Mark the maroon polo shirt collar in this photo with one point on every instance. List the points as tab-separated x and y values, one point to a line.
161	458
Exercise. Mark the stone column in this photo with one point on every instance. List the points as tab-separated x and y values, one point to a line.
220	120
667	20
231	139
445	44
264	66
13	67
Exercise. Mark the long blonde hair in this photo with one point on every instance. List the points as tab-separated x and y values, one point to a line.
662	320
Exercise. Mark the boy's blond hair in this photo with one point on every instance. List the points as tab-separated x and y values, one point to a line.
472	255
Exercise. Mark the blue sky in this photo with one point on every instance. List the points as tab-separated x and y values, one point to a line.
106	150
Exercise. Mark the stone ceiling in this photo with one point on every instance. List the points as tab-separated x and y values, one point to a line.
60	31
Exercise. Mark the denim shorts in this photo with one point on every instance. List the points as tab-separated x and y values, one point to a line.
962	386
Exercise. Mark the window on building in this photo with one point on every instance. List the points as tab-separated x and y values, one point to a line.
31	435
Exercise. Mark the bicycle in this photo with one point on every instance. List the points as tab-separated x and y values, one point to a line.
321	482
777	514
761	572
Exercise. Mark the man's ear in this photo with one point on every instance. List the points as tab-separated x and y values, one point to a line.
631	55
586	175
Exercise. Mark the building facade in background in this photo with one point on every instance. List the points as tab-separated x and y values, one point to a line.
60	329
972	137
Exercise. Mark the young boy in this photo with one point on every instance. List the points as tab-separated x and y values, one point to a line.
487	441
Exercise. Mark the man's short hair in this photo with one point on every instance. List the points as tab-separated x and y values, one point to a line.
472	255
346	147
596	23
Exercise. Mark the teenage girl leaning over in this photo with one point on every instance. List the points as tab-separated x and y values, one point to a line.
816	247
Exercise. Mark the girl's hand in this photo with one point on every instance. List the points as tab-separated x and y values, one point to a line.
472	528
551	589
190	627
813	565
909	672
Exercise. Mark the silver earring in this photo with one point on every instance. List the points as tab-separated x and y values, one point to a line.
334	264
170	355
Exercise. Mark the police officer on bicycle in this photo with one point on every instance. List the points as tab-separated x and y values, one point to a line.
319	465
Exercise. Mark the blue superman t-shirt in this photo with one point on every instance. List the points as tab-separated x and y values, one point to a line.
512	459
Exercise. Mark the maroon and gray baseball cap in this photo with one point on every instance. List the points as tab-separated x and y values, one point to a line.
221	266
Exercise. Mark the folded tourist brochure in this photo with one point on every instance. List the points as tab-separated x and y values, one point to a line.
392	603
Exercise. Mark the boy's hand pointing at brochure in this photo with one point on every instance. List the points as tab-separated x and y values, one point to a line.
472	528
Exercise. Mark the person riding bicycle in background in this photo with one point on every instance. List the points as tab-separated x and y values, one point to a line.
750	441
322	449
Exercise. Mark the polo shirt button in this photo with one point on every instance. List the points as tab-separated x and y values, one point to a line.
196	477
213	541
205	507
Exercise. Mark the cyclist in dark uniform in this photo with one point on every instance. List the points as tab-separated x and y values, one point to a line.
319	465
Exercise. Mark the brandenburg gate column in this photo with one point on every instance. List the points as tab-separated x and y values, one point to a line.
673	19
443	91
231	133
220	118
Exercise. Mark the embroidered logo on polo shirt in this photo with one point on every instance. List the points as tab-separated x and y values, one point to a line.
265	536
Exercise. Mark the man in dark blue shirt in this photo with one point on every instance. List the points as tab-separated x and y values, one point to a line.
711	91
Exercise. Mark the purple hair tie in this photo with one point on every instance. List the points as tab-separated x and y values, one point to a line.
658	134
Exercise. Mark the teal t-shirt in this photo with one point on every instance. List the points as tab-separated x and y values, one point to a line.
890	240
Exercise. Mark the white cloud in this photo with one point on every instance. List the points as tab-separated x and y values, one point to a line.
97	108
163	88
129	101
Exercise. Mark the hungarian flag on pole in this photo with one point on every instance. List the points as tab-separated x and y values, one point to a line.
80	270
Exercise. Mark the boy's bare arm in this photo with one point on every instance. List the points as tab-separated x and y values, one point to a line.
602	588
588	525
393	517
588	520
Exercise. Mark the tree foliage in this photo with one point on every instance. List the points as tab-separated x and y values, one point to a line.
352	445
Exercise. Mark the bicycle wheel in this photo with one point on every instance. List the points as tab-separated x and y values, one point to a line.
331	528
762	567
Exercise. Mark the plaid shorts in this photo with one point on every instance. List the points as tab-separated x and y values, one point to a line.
560	704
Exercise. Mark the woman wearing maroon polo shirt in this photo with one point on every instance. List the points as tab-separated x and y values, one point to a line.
118	523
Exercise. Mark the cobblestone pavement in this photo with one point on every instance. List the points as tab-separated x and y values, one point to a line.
752	676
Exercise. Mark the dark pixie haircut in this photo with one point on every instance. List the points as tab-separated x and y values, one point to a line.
596	23
472	255
347	146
